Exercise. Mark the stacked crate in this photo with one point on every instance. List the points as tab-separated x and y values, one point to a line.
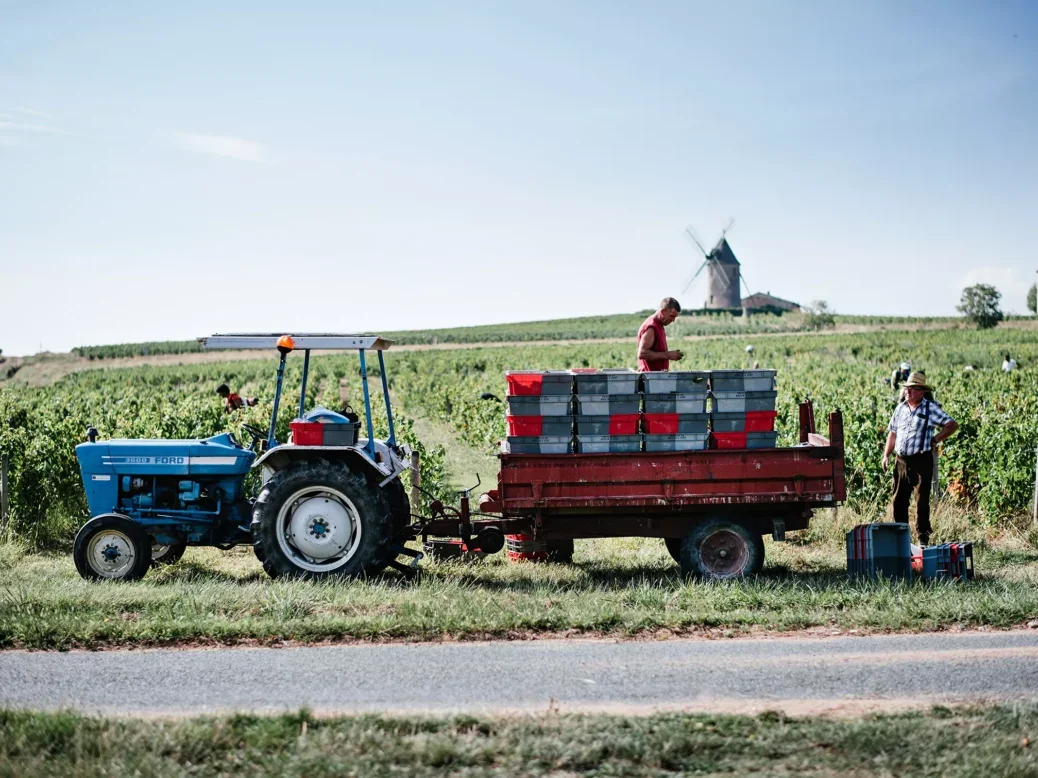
675	411
608	411
540	411
742	413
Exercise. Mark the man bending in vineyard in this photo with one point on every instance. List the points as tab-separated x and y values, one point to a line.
232	401
910	434
652	340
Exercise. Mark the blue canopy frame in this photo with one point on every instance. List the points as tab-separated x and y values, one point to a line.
307	342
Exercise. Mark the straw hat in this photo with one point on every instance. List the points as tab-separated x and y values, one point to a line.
917	379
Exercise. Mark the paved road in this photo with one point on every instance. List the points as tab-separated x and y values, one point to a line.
803	675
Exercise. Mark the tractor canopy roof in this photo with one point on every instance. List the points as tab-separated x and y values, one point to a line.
303	341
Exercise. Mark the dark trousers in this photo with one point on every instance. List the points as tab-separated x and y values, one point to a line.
914	473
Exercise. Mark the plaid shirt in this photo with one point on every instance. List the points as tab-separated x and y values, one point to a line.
914	429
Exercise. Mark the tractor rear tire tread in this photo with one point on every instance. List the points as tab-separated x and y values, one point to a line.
370	558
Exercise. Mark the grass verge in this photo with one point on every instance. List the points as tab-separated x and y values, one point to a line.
617	587
987	742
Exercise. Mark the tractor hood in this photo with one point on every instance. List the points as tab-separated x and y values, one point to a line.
218	456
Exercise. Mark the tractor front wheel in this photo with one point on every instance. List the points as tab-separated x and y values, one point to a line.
112	548
318	519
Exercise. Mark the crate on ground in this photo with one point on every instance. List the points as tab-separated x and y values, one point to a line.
675	423
680	442
534	426
724	440
608	404
748	421
609	444
676	403
741	402
883	549
742	380
676	382
524	548
440	549
543	405
948	561
610	381
536	383
542	444
618	424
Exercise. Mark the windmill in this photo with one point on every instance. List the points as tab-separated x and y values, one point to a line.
722	272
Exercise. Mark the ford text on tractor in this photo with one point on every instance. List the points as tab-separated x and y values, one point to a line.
330	502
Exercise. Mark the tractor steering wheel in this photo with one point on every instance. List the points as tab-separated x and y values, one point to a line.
257	435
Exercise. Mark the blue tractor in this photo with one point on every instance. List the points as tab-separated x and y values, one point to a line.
331	503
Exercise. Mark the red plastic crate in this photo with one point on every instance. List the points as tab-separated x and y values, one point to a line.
307	433
524	548
661	423
524	384
760	421
520	426
728	439
624	423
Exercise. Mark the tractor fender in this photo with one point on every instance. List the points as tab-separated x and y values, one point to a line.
355	457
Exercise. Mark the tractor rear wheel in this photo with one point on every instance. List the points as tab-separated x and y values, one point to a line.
319	519
721	550
112	548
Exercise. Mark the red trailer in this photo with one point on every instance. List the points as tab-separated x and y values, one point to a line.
711	507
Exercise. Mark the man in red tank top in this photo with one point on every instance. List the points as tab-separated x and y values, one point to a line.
652	340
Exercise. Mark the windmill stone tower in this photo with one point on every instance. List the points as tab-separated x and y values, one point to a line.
722	274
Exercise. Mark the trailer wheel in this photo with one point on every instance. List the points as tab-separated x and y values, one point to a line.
163	555
317	520
721	550
674	548
560	551
112	548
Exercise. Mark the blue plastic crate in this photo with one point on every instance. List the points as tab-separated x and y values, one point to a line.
880	549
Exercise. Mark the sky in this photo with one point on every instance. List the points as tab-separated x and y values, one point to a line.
171	170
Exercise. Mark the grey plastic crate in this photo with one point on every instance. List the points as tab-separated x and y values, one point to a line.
612	381
761	439
608	404
553	382
609	444
690	423
728	422
679	442
545	405
675	382
543	444
740	402
676	403
742	380
602	425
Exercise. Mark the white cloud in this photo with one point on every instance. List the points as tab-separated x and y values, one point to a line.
45	129
223	146
32	112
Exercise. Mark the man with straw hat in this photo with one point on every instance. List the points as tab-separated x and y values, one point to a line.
910	434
